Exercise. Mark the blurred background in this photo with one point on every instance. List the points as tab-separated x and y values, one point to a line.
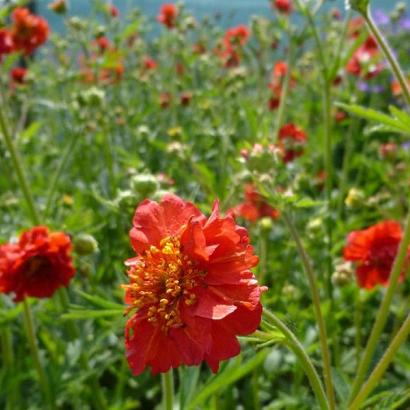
230	11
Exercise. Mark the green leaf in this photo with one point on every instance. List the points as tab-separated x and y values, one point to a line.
234	371
401	116
98	301
31	130
84	314
376	116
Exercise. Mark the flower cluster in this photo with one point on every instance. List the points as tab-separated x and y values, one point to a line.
191	291
37	265
279	71
230	49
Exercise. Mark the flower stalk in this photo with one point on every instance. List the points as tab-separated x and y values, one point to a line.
293	344
317	308
167	382
31	336
376	375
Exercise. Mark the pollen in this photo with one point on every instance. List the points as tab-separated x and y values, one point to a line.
162	280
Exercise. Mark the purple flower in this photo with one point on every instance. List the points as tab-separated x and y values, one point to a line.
404	23
369	88
381	18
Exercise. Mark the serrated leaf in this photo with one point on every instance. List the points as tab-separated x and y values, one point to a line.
377	116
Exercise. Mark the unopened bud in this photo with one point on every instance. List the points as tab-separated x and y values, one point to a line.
144	184
355	197
85	244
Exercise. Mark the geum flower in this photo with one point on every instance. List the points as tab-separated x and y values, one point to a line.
365	61
254	207
37	265
374	250
292	141
28	31
191	291
6	42
168	15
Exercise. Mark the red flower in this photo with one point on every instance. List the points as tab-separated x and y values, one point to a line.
254	206
236	36
374	250
149	64
6	42
58	6
292	141
191	290
114	12
103	43
356	26
168	15
365	60
29	31
18	74
283	6
37	265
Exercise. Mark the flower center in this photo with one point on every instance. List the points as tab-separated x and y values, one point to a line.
34	265
161	280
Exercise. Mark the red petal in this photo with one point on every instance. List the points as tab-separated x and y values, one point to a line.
193	242
211	306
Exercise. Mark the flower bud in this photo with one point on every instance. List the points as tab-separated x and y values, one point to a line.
354	198
360	6
265	224
144	184
343	274
59	6
85	244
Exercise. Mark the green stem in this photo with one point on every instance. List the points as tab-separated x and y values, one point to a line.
297	348
66	155
381	367
383	312
167	381
31	336
18	166
317	308
358	316
398	72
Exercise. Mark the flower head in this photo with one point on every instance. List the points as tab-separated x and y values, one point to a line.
374	250
292	140
18	75
283	6
191	291
28	31
37	265
168	15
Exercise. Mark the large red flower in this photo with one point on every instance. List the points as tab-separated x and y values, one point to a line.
254	206
374	250
168	15
292	141
37	265
191	290
28	31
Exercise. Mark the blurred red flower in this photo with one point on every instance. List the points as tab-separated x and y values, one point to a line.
254	206
365	61
37	265
185	98
168	15
6	42
374	250
28	31
114	12
103	43
18	74
58	6
292	140
236	36
191	290
283	6
149	64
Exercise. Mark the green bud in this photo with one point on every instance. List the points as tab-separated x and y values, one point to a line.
354	198
144	184
265	224
360	6
85	244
